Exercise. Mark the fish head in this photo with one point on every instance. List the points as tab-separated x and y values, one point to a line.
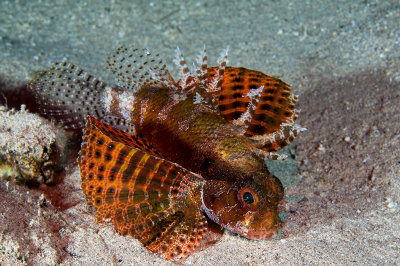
246	207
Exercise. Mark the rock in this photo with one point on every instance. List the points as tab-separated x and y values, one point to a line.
29	151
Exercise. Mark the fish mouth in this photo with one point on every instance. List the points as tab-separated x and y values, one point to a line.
263	233
255	233
264	229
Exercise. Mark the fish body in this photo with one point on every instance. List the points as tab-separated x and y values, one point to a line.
162	159
193	135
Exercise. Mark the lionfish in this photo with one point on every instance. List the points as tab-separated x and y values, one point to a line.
165	160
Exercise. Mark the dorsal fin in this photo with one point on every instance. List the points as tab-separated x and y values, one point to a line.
144	196
68	94
136	67
119	123
199	75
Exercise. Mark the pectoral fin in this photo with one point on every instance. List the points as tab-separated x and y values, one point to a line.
260	105
142	195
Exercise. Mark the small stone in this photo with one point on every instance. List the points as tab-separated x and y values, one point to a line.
391	203
29	153
321	148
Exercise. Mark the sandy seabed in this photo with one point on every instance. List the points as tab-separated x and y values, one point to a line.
341	58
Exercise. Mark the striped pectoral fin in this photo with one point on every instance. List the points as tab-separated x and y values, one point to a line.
259	105
68	94
178	235
142	195
123	132
271	142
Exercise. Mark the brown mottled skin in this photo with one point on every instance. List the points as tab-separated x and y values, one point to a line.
159	157
197	137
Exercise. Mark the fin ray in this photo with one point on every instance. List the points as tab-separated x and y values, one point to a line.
120	135
68	94
119	123
258	104
142	195
136	67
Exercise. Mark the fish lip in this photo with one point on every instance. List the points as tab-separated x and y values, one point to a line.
263	233
257	233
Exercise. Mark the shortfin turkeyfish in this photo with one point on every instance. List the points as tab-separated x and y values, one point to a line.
164	160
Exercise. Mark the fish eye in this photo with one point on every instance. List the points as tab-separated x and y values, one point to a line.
248	197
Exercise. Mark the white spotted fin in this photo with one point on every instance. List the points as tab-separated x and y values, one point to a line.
68	94
136	67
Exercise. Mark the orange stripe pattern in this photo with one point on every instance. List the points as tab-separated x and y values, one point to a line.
144	196
275	105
